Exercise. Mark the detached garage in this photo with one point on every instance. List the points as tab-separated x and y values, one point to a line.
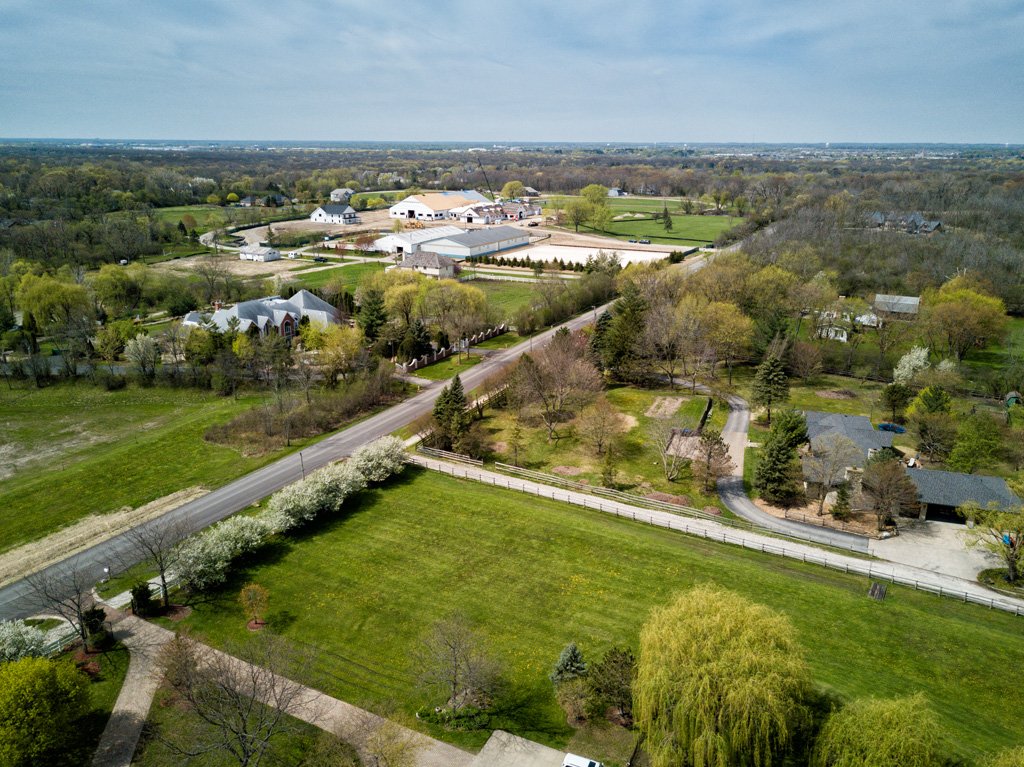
481	242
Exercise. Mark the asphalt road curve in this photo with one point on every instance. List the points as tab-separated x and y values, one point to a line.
15	599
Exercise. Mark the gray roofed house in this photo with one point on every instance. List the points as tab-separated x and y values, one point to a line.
334	214
941	492
856	428
274	314
429	263
342	194
529	191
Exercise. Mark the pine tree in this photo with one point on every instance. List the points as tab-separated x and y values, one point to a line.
666	219
451	418
841	508
621	342
791	427
771	387
570	665
372	315
773	477
711	460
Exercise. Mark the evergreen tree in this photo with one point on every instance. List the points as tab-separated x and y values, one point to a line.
771	387
611	679
570	665
841	508
666	219
791	427
773	477
372	315
896	396
451	418
621	352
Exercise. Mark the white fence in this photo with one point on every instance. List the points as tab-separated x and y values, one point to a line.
846	565
440	354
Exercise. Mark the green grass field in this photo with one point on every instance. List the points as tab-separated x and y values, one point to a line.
686	230
448	367
205	215
506	298
364	586
352	275
74	450
500	342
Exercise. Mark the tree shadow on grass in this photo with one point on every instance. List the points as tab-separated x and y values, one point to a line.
528	711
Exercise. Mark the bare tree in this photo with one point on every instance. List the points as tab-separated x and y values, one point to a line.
711	458
670	436
211	271
830	457
236	705
64	589
558	378
891	491
382	742
154	543
599	423
452	659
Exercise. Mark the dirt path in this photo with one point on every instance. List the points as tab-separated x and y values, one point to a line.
85	534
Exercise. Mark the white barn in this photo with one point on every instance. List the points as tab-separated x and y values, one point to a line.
258	253
334	214
434	206
480	242
413	240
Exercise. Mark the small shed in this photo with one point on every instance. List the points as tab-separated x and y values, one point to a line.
1012	398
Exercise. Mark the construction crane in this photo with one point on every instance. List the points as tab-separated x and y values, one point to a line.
493	199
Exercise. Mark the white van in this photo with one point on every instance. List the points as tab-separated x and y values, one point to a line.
572	760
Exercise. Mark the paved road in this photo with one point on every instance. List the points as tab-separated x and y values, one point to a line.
245	491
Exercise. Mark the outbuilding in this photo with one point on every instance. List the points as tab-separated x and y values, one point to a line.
259	253
480	242
411	241
942	492
429	264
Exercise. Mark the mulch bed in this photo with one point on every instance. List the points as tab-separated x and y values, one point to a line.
256	625
567	471
712	510
678	500
177	612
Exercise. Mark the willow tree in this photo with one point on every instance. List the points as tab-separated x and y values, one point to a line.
720	681
880	733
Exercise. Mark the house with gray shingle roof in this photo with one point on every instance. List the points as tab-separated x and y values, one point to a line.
941	492
269	315
856	428
428	263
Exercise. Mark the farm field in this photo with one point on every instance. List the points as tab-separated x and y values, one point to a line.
352	275
364	586
686	230
70	451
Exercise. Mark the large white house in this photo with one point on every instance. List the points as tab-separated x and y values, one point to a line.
436	205
413	240
258	253
479	242
334	214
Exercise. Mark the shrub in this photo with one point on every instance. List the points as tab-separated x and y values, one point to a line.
40	704
142	599
570	665
379	460
18	641
202	562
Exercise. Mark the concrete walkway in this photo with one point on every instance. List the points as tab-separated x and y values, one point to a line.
908	575
145	641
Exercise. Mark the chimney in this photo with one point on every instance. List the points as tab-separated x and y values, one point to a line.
217	306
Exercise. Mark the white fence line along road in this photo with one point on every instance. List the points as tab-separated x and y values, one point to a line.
904	575
15	599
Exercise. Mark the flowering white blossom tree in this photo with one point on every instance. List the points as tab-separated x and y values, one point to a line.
910	365
18	640
379	460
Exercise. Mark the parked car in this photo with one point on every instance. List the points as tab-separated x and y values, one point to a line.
572	760
894	428
633	240
320	259
645	242
532	223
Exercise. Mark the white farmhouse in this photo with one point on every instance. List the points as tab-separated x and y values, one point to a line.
258	253
434	206
334	214
413	240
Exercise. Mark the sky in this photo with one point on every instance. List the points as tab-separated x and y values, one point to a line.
795	71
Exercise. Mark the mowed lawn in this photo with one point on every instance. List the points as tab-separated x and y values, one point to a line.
352	275
506	298
364	586
203	214
92	451
686	230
